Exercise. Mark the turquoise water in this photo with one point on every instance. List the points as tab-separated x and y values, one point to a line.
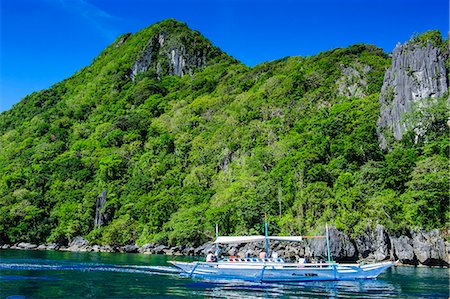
54	274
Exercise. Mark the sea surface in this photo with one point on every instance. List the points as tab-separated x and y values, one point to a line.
55	274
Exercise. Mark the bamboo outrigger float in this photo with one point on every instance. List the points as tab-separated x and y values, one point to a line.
277	269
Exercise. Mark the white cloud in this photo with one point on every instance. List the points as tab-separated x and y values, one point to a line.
100	20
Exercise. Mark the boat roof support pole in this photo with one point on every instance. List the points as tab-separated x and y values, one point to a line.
266	233
217	236
328	243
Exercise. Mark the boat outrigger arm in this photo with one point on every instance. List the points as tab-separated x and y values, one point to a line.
277	269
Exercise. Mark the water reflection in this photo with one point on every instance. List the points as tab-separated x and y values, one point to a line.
238	289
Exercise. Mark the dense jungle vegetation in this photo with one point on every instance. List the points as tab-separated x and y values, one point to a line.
223	145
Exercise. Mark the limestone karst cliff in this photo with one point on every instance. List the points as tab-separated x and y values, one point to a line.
418	72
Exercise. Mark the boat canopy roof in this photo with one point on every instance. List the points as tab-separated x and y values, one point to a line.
248	239
287	238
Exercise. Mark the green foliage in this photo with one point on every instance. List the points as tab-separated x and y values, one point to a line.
426	199
433	36
122	231
225	144
187	226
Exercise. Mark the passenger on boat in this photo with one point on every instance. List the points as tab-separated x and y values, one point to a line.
303	260
210	257
274	254
262	255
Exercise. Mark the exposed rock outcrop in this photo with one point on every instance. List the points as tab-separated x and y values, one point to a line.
341	246
352	82
122	39
403	249
417	72
130	249
147	248
169	53
382	244
100	216
79	244
26	246
374	244
429	247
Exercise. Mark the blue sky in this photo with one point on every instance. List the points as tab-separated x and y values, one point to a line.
45	41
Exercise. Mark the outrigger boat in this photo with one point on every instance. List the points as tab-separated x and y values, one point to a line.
277	269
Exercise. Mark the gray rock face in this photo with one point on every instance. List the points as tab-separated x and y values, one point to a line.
189	251
382	244
447	252
352	82
366	243
107	248
79	244
340	246
26	246
100	216
130	249
417	72
374	244
122	40
172	55
403	249
147	248
160	249
201	249
429	247
52	246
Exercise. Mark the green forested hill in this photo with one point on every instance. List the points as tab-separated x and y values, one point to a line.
220	143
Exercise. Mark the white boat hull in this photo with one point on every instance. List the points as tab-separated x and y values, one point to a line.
282	272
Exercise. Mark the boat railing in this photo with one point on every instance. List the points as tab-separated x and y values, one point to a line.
254	260
276	261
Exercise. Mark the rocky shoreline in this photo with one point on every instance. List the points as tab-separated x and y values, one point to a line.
426	248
